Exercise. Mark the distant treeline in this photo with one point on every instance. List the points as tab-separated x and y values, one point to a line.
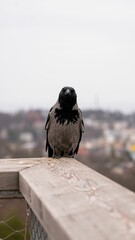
109	116
32	115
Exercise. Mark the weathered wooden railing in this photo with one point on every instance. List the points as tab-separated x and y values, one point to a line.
69	200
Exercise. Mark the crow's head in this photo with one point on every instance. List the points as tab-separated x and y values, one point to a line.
67	98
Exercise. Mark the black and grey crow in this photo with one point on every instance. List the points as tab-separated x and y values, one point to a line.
64	125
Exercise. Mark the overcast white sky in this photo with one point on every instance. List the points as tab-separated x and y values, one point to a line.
48	44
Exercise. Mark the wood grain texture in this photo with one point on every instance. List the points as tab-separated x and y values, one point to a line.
9	171
73	202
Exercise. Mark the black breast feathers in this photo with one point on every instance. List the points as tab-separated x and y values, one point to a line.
62	116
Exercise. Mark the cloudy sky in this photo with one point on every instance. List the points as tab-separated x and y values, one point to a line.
47	44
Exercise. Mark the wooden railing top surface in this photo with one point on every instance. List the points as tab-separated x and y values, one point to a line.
9	171
72	201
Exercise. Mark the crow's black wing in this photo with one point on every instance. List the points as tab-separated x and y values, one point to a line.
48	147
81	131
48	119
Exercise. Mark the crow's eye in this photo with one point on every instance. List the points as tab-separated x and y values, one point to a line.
64	90
72	91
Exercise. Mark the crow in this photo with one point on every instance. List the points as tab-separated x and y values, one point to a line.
64	125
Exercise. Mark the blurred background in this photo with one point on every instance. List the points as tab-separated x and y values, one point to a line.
89	45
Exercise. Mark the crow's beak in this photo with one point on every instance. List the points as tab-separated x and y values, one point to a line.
67	92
